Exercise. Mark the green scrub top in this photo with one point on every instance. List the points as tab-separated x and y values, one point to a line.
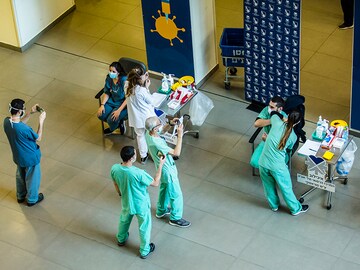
264	114
271	157
169	171
133	183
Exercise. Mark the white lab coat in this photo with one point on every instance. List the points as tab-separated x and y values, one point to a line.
139	107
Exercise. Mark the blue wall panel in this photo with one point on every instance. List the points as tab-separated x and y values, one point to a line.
355	99
167	28
272	48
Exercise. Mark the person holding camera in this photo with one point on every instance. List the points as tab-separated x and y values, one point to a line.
139	103
170	190
131	183
26	152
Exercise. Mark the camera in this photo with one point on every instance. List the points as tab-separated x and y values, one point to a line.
160	154
39	109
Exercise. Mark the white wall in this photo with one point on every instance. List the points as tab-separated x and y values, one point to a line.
30	17
7	24
203	24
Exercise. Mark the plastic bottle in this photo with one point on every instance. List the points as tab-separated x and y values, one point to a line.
164	83
320	132
171	79
345	134
320	122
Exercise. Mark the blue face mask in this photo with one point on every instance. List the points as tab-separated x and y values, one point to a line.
112	75
160	129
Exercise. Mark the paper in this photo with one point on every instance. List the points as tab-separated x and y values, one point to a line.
309	148
157	99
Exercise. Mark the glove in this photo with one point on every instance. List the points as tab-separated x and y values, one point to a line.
277	113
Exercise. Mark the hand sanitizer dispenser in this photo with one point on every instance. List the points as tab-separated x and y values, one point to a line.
171	79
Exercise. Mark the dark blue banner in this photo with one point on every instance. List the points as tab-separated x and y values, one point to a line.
355	96
272	49
167	28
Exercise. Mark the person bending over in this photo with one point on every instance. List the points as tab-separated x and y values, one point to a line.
272	164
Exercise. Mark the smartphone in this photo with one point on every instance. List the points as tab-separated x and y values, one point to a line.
39	109
160	154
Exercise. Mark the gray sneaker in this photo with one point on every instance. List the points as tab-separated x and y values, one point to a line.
182	223
304	209
144	159
167	212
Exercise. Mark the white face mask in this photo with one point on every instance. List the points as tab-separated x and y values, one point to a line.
269	110
160	129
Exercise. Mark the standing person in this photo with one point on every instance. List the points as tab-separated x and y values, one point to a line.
132	183
26	153
113	102
170	191
348	10
140	107
263	120
272	164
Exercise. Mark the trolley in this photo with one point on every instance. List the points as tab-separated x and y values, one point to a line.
232	52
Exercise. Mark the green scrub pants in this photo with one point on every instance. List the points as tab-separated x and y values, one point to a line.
282	178
170	193
144	221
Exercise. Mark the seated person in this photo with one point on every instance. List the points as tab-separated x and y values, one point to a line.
113	103
263	120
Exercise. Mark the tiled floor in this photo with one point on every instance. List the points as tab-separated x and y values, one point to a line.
233	228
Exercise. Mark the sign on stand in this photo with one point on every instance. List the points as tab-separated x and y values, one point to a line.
316	177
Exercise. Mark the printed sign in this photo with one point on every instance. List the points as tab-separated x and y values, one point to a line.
272	49
316	177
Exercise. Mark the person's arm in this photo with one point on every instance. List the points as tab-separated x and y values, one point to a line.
177	150
115	115
156	180
259	122
26	117
42	117
117	188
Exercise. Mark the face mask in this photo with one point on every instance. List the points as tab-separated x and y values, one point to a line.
160	129
269	110
112	75
22	113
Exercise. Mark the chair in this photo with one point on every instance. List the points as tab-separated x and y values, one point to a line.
127	64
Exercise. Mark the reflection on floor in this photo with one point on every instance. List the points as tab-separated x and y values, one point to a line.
232	225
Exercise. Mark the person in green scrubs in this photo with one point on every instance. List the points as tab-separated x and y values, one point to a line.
272	162
263	120
170	191
131	183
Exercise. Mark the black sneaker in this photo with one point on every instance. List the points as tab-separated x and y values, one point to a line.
21	200
122	127
144	159
345	26
304	209
107	131
182	223
152	248
167	212
120	244
40	198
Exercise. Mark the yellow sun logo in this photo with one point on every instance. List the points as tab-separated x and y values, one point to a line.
167	28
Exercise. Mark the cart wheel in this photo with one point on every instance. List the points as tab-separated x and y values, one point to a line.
301	200
196	135
227	86
345	181
233	71
328	207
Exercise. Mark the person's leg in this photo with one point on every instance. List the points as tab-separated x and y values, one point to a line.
348	10
21	190
123	228
140	138
283	179
269	188
107	110
144	221
163	199
33	178
176	200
